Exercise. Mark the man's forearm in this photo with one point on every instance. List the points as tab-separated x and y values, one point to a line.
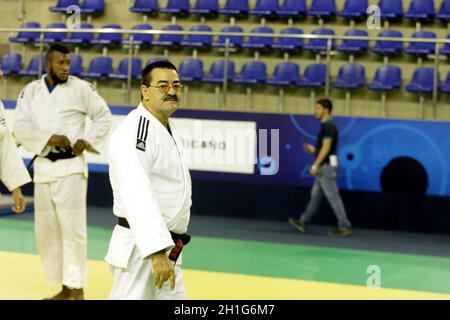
321	156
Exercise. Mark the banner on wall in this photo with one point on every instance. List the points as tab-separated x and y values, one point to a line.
387	155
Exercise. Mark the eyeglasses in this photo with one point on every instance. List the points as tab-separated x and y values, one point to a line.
164	88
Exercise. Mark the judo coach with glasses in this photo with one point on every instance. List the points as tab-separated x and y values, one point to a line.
152	193
50	121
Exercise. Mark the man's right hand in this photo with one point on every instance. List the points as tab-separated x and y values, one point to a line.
309	148
59	141
162	269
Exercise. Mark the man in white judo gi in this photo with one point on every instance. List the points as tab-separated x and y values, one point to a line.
50	121
13	172
152	193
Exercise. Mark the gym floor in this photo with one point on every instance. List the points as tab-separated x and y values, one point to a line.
249	259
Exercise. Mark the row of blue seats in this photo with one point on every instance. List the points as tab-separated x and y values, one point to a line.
350	76
253	43
353	9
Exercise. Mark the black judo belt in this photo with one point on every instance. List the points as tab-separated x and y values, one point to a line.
54	156
180	240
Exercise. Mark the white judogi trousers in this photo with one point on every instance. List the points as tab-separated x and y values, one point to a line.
134	281
61	230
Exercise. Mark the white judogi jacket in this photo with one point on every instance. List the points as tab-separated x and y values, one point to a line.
40	114
13	172
151	187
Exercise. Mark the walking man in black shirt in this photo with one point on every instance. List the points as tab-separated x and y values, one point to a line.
325	169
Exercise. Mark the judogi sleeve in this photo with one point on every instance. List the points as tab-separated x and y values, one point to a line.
13	172
98	111
32	138
131	167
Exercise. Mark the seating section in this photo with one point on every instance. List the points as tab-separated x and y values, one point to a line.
347	74
418	10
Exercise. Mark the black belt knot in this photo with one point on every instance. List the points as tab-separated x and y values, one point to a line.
180	240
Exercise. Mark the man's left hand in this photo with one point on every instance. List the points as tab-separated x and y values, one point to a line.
80	146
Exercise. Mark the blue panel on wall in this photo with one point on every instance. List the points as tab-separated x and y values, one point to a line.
375	154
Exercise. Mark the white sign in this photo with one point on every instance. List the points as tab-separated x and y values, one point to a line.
217	145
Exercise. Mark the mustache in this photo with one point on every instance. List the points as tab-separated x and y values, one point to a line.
171	98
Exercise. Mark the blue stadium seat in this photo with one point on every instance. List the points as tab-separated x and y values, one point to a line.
191	70
54	36
199	41
387	78
422	48
422	81
314	76
145	6
168	40
285	74
265	8
289	44
320	44
108	38
444	11
292	9
99	67
11	63
62	5
122	71
205	8
445	50
235	8
259	43
421	10
140	39
25	36
391	9
80	38
252	72
350	76
388	47
354	9
354	46
76	65
33	67
322	8
151	60
445	87
92	6
216	73
235	41
176	7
